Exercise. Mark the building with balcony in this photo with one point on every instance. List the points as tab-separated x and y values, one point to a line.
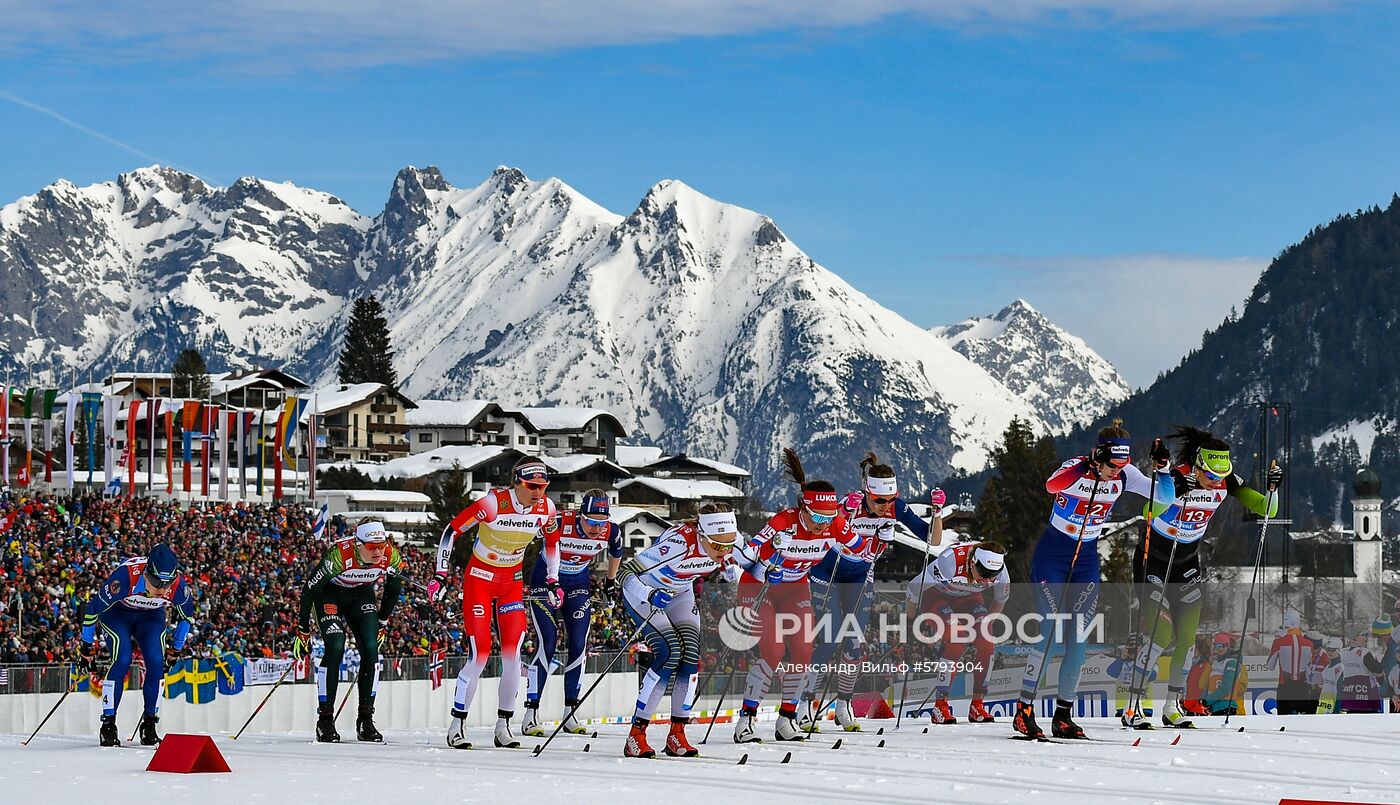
363	422
468	423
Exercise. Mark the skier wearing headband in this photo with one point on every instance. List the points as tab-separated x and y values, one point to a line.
658	590
341	593
583	535
130	607
843	585
507	521
1085	490
969	579
1202	479
777	561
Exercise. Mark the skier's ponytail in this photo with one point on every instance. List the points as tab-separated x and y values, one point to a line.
870	467
1191	440
799	477
1114	431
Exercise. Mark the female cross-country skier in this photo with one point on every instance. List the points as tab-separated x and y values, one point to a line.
658	589
1202	479
1065	565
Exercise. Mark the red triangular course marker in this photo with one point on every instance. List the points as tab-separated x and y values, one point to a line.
183	754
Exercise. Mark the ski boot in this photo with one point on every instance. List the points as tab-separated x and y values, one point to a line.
845	719
148	729
364	726
1135	719
637	745
743	729
530	724
505	739
1172	716
1024	721
977	713
807	720
107	733
457	732
571	722
325	724
676	744
787	729
1062	725
942	713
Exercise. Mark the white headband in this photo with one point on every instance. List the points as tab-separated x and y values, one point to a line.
882	487
371	532
991	560
712	525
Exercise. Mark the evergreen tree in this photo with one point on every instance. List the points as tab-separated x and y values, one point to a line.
448	495
1013	506
190	376
368	355
343	478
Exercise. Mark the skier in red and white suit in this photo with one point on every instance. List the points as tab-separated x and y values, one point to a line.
507	521
968	579
778	559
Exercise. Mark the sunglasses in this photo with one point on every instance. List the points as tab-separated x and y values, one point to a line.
594	522
820	519
538	486
727	546
881	501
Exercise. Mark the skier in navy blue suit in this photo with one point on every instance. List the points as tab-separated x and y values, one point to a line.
130	608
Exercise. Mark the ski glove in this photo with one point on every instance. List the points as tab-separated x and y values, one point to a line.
660	598
554	593
89	627
1161	456
937	498
382	636
1274	477
1101	457
302	645
773	574
436	587
610	588
885	531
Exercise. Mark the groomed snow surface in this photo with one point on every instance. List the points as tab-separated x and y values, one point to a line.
1346	758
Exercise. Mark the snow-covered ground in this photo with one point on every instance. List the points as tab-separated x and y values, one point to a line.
1339	758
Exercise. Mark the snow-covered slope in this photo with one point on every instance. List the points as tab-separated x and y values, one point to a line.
699	323
1066	382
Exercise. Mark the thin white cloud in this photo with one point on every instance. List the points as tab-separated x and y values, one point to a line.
44	110
1143	312
361	33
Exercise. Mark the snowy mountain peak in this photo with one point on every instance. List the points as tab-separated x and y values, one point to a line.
1057	373
699	323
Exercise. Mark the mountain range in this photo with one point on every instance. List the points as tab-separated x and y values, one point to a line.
701	324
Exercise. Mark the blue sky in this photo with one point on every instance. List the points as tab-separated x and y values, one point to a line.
1113	163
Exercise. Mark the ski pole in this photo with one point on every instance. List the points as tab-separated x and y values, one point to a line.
275	686
728	678
596	683
923	584
1134	694
822	702
1253	582
54	709
826	676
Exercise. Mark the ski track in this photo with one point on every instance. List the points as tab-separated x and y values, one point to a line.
964	763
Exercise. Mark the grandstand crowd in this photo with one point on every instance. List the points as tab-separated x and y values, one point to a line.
247	562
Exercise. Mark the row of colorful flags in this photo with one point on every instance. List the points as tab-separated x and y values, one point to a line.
205	428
